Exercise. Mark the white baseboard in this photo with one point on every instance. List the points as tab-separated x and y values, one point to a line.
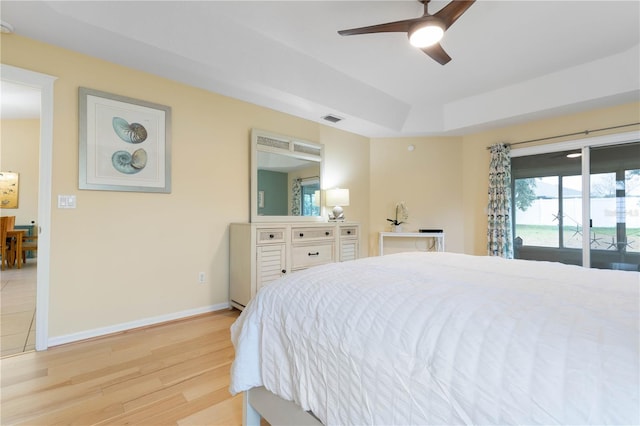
116	328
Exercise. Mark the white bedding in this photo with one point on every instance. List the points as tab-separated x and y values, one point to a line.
442	338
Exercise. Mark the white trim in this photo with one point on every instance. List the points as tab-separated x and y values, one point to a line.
45	84
117	328
612	139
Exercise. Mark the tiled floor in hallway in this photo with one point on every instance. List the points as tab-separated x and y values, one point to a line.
18	309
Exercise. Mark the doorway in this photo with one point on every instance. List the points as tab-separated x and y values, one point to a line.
19	177
43	83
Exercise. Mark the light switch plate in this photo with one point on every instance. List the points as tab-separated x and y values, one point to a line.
66	201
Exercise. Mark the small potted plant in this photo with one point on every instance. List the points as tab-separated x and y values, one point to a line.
402	214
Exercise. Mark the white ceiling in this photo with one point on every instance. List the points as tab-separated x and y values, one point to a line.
19	101
513	61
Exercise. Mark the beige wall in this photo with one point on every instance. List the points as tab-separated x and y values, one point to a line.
443	181
475	159
429	181
123	257
19	147
347	163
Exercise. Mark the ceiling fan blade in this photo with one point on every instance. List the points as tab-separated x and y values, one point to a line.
389	27
437	53
451	12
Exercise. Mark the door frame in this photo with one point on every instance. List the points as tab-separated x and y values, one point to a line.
45	84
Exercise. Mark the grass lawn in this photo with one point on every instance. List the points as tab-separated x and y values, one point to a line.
601	238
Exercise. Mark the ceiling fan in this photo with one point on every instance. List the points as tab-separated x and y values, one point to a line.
424	32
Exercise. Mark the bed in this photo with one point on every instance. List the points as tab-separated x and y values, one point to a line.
443	338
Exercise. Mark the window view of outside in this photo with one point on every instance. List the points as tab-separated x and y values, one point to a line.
548	206
615	216
310	205
572	212
539	218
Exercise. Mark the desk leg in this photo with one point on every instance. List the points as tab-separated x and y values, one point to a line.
380	245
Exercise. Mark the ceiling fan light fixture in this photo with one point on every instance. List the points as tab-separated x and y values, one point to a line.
426	33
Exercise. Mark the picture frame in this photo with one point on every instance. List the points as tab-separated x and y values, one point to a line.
9	190
124	143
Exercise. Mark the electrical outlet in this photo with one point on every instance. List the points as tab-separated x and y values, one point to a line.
201	277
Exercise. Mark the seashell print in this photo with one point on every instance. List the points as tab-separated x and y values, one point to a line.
130	133
127	163
139	159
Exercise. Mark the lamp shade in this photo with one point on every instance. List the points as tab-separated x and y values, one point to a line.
337	197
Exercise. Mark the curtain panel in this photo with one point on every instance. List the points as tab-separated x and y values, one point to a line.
296	197
499	241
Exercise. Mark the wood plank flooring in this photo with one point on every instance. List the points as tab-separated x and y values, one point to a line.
175	373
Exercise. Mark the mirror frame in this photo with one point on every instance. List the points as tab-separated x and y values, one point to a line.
290	147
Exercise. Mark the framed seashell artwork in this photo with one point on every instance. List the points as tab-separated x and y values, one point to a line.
124	143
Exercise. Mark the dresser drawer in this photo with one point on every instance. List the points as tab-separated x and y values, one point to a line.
270	236
306	256
311	234
348	232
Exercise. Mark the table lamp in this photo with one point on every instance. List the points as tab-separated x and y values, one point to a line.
337	198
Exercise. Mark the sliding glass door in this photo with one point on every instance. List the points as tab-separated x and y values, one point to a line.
547	207
578	206
615	207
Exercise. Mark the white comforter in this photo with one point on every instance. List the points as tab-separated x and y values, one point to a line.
441	338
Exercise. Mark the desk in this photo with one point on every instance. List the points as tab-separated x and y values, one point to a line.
16	236
439	237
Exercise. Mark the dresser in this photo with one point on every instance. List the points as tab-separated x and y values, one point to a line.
262	252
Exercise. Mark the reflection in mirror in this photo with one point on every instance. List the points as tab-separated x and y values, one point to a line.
310	196
287	185
286	178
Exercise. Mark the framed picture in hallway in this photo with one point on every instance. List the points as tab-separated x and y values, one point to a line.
124	143
8	190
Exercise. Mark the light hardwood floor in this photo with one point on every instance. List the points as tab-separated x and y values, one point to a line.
174	373
18	309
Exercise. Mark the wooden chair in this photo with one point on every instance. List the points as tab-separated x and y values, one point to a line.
5	244
29	243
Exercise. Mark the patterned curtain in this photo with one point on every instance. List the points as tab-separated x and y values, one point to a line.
296	197
499	209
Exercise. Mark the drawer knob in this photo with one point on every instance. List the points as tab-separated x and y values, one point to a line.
314	254
301	234
284	271
271	236
326	233
348	232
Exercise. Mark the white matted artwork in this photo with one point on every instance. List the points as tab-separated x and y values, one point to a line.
124	143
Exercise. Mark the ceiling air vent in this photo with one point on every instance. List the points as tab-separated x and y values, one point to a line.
332	118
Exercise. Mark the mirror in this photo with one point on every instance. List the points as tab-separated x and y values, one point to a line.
286	179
